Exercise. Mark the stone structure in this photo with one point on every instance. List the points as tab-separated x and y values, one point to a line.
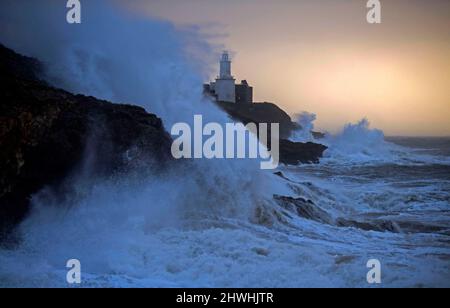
224	89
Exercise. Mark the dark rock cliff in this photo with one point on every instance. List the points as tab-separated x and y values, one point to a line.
46	132
260	113
291	153
294	153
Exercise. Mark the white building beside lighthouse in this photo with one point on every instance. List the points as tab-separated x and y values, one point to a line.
224	89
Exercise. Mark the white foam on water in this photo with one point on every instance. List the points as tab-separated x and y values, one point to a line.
194	226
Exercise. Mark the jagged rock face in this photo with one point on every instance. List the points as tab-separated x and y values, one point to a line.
45	133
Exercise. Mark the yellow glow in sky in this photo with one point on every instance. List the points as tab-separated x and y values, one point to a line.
323	57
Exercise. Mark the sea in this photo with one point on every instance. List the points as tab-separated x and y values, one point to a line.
373	213
388	203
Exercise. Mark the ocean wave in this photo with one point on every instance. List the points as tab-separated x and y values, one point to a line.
211	223
358	143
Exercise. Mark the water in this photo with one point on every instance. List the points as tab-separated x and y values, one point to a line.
411	192
439	146
216	223
208	249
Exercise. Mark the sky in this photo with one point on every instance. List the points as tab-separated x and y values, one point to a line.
323	57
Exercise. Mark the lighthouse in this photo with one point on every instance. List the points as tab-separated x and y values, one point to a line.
225	83
225	66
224	88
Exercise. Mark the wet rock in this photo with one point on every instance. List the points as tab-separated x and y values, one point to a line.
397	222
344	259
291	153
267	216
45	133
260	251
304	208
369	225
294	153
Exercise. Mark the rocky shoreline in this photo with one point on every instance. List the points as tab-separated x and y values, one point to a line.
291	153
47	133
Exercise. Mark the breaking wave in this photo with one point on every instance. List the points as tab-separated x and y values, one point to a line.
125	58
206	223
358	143
305	121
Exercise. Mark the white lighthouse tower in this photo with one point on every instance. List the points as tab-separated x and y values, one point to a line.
225	66
224	86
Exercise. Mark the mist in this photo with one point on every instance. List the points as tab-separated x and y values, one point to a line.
125	58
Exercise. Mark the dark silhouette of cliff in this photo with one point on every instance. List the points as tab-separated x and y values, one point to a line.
260	113
45	133
291	153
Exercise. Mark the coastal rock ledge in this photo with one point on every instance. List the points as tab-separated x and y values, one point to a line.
46	133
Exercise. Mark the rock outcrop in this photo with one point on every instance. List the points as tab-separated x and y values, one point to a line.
291	153
294	153
260	113
46	132
304	208
394	222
